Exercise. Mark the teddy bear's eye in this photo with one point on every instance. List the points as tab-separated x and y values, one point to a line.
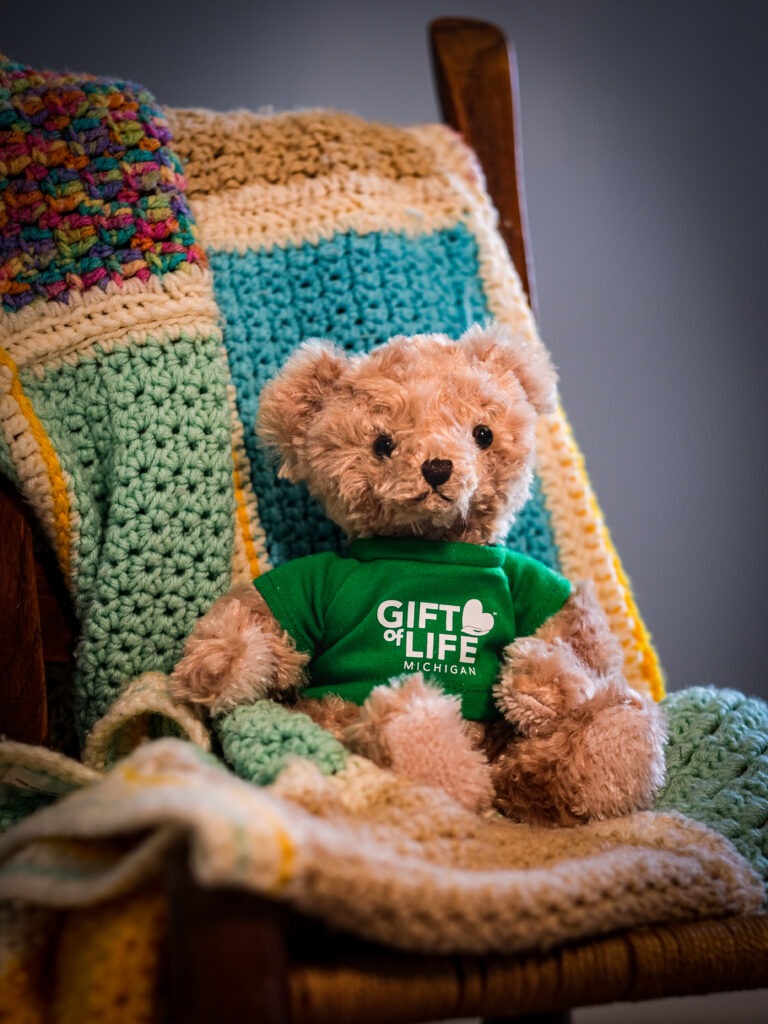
383	446
483	436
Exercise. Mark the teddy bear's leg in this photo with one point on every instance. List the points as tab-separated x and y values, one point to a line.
588	747
417	731
602	759
237	653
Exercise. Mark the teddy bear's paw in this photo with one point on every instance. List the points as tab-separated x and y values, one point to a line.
541	682
618	759
582	624
228	660
417	731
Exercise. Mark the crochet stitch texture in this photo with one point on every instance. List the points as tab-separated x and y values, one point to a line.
91	192
717	766
127	424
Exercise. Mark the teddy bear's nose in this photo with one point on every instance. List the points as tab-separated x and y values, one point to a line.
436	471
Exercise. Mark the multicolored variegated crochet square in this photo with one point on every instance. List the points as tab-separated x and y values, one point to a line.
89	190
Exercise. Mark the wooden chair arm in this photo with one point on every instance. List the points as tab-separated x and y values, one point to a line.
476	77
23	706
37	624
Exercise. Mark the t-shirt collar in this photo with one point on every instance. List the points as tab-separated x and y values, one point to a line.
367	549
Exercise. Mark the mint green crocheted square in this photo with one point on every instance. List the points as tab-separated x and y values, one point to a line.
143	432
717	766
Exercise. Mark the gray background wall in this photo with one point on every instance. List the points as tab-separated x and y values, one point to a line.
645	144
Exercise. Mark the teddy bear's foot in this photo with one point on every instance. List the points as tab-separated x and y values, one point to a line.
603	760
235	655
540	682
417	731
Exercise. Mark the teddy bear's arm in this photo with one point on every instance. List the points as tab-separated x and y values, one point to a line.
236	654
558	668
583	625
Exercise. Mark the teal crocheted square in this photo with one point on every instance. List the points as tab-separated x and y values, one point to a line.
358	290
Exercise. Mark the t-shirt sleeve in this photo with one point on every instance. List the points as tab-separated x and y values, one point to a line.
299	591
537	592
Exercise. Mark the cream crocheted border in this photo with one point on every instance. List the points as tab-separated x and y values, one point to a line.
310	210
44	334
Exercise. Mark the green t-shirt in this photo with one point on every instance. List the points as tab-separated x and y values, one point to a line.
394	606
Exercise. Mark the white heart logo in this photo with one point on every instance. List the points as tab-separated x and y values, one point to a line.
474	620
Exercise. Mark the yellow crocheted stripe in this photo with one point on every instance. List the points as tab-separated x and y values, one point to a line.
650	666
108	963
583	516
286	848
61	510
250	556
242	520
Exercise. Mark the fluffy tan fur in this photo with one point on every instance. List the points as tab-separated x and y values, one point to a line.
417	731
238	641
575	743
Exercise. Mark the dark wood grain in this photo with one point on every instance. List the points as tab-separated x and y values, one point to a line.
57	619
23	707
476	77
227	960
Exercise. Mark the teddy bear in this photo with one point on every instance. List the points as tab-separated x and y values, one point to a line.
429	647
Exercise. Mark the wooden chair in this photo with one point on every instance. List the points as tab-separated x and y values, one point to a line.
233	956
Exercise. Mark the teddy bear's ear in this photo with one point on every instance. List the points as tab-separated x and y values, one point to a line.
496	346
293	398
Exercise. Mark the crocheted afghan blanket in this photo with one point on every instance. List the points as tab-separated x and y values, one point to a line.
369	852
124	420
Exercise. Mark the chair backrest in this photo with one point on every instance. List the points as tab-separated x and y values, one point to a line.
476	75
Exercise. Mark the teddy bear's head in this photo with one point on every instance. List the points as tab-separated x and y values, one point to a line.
423	437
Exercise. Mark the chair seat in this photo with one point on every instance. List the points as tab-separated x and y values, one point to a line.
353	983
